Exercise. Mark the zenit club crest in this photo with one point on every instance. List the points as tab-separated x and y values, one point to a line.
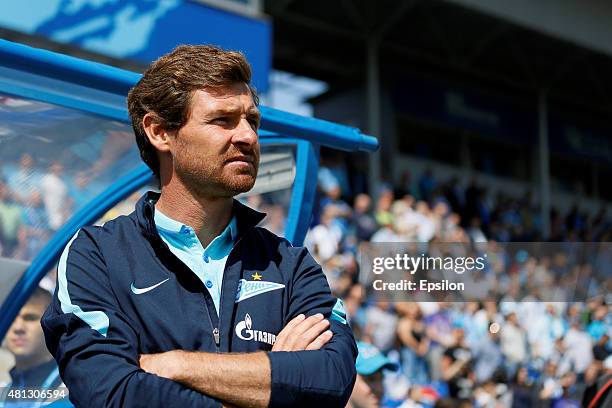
248	289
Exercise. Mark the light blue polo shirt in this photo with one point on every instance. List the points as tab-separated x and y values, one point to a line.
207	263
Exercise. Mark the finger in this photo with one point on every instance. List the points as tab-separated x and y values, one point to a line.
281	338
279	343
147	363
143	360
298	331
306	324
308	336
320	341
294	322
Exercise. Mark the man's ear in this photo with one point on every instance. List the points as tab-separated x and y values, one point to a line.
158	136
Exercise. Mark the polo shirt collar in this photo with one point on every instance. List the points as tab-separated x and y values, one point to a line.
171	226
245	217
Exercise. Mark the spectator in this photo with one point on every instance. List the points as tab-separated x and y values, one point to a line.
414	343
578	348
34	366
523	391
598	393
601	349
365	224
10	221
324	240
368	391
598	326
456	366
513	343
427	184
25	180
55	195
381	323
426	226
34	231
487	355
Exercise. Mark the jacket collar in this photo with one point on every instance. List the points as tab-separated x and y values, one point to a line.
33	376
246	217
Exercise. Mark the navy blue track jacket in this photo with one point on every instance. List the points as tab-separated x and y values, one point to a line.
121	293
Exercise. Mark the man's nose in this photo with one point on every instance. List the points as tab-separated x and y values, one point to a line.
18	327
245	133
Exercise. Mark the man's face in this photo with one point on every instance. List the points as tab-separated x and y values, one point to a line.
25	337
367	391
375	382
57	168
216	153
26	161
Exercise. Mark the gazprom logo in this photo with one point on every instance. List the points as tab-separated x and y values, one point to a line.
245	332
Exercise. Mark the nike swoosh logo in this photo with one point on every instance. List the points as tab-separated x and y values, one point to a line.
140	291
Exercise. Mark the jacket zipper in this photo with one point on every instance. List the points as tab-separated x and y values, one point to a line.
216	336
216	331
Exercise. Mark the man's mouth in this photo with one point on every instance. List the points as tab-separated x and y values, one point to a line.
19	342
246	159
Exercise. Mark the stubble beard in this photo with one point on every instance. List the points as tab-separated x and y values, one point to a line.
211	178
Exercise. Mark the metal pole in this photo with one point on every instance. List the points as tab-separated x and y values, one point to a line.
374	114
595	180
544	159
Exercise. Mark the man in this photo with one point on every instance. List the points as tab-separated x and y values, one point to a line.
25	179
148	305
55	195
368	391
456	365
10	221
513	344
599	393
34	368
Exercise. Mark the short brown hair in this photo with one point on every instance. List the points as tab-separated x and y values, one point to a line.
167	85
40	296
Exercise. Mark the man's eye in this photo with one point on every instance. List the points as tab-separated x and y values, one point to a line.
254	123
221	120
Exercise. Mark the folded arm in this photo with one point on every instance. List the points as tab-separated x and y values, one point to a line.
321	378
95	345
309	365
241	379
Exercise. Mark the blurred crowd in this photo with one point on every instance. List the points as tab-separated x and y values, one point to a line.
506	351
38	196
33	204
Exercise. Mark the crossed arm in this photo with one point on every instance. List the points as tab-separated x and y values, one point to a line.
93	342
240	379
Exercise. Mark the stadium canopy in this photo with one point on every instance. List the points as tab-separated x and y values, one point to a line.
545	55
563	47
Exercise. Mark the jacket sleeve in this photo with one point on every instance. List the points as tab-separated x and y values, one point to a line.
94	343
321	378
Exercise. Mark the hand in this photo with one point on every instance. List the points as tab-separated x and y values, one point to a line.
167	365
303	333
